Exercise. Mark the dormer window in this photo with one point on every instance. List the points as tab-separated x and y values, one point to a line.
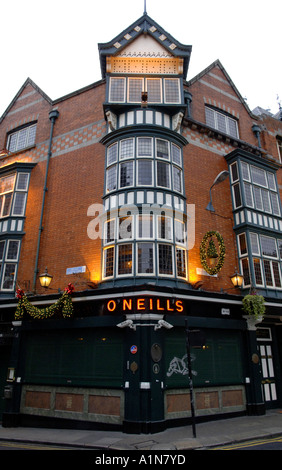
222	122
22	138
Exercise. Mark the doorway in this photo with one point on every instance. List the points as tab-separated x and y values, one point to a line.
268	383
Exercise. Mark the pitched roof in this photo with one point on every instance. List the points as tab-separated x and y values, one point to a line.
144	25
27	82
218	64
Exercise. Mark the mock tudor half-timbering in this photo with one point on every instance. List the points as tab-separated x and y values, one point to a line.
120	191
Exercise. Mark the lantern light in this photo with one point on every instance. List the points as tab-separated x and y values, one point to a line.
45	279
237	279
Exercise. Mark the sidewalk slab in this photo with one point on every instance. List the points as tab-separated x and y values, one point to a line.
208	435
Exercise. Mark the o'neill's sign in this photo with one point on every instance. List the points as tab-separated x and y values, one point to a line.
144	304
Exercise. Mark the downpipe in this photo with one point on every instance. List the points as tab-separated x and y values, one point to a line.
53	115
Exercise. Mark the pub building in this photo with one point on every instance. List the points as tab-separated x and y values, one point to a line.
138	197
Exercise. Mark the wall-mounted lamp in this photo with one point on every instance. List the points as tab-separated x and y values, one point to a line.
220	177
45	279
237	279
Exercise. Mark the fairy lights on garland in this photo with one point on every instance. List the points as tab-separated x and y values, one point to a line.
63	305
208	251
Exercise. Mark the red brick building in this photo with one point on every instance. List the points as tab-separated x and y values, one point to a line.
146	192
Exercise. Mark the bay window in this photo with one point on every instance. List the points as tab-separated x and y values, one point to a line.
144	244
265	254
144	161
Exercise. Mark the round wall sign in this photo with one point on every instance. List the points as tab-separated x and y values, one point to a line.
133	349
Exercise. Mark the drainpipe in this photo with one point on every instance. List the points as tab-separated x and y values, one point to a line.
52	116
188	101
257	130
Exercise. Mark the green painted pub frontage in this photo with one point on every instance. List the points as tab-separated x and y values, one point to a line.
121	362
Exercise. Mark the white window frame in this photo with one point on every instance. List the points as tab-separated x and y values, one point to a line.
17	134
141	155
177	169
271	261
138	220
14	213
177	80
261	271
168	165
109	221
217	114
147	242
127	156
114	145
161	242
161	89
239	244
245	178
108	247
234	165
176	162
7	261
131	80
123	79
123	163
279	147
242	271
233	195
168	228
110	169
250	186
156	149
261	249
181	248
118	246
152	172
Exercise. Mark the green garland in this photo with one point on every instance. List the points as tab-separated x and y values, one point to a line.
211	252
63	305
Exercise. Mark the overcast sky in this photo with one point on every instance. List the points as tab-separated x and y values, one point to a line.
54	42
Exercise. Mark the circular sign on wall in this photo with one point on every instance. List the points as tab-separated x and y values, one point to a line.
156	352
133	349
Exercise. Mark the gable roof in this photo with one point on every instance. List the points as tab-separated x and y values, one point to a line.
144	25
218	64
27	82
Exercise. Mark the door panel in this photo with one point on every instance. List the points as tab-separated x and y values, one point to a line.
268	381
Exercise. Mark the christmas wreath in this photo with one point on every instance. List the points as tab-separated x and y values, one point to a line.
208	252
63	305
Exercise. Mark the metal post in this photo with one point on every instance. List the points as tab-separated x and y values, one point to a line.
190	377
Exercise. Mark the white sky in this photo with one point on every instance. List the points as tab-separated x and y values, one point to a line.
54	42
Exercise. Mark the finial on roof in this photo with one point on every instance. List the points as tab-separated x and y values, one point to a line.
145	8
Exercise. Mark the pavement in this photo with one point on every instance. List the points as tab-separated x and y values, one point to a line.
209	435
